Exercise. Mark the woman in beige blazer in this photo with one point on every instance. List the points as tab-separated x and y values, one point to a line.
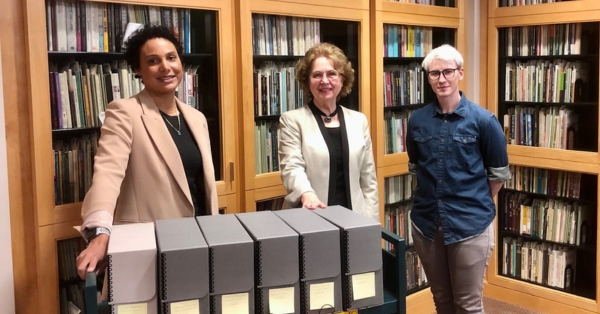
154	158
325	150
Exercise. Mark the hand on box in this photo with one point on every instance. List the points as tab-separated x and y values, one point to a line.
311	201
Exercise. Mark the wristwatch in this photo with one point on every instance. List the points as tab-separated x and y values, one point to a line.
94	232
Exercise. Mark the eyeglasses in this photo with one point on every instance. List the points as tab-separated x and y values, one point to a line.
435	75
331	76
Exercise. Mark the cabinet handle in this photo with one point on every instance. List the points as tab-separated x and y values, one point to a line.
231	172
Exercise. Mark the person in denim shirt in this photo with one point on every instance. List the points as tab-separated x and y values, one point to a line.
457	150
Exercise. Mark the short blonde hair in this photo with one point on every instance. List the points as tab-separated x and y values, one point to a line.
443	52
340	63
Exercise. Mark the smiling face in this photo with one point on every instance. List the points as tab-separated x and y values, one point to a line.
445	86
325	82
160	66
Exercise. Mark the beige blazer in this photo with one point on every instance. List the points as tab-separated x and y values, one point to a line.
304	160
138	172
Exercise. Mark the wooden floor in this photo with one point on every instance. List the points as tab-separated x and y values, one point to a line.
492	306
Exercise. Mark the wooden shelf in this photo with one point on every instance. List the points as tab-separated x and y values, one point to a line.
402	202
267	118
592	57
430	11
545	196
577	6
543	157
577	290
583	296
592	104
350	11
504	233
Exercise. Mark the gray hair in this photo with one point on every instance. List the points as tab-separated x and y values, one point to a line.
443	52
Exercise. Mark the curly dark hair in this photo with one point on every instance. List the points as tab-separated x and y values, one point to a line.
140	37
340	63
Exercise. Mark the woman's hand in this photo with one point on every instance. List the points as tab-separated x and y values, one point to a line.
93	258
311	201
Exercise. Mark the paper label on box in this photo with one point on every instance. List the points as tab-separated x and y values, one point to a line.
363	286
235	303
137	308
186	307
321	296
281	301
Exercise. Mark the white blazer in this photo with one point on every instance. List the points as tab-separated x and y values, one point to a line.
304	160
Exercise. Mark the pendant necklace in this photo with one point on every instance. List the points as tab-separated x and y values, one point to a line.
328	116
178	130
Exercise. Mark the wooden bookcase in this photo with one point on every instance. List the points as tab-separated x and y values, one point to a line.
55	222
345	23
398	195
444	21
418	299
447	25
584	159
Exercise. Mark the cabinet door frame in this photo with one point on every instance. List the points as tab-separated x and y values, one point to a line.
388	12
38	93
47	266
263	194
356	11
502	287
229	203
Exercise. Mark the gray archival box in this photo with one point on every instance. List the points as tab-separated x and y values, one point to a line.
276	262
231	261
132	268
182	265
362	266
319	258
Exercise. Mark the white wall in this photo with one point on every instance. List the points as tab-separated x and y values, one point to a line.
7	290
473	40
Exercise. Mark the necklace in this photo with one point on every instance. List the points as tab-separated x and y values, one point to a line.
328	116
178	130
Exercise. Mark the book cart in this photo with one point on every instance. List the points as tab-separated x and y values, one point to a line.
394	283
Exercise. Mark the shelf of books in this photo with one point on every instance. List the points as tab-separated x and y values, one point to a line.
519	8
398	196
403	34
275	34
79	45
547	96
269	198
547	230
543	76
396	187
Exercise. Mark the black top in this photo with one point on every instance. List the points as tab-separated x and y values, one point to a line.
339	178
336	156
191	159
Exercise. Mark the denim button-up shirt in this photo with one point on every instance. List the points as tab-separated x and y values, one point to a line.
453	156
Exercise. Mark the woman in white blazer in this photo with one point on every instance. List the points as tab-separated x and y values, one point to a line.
325	151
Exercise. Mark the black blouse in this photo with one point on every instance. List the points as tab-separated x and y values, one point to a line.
339	180
191	159
336	156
